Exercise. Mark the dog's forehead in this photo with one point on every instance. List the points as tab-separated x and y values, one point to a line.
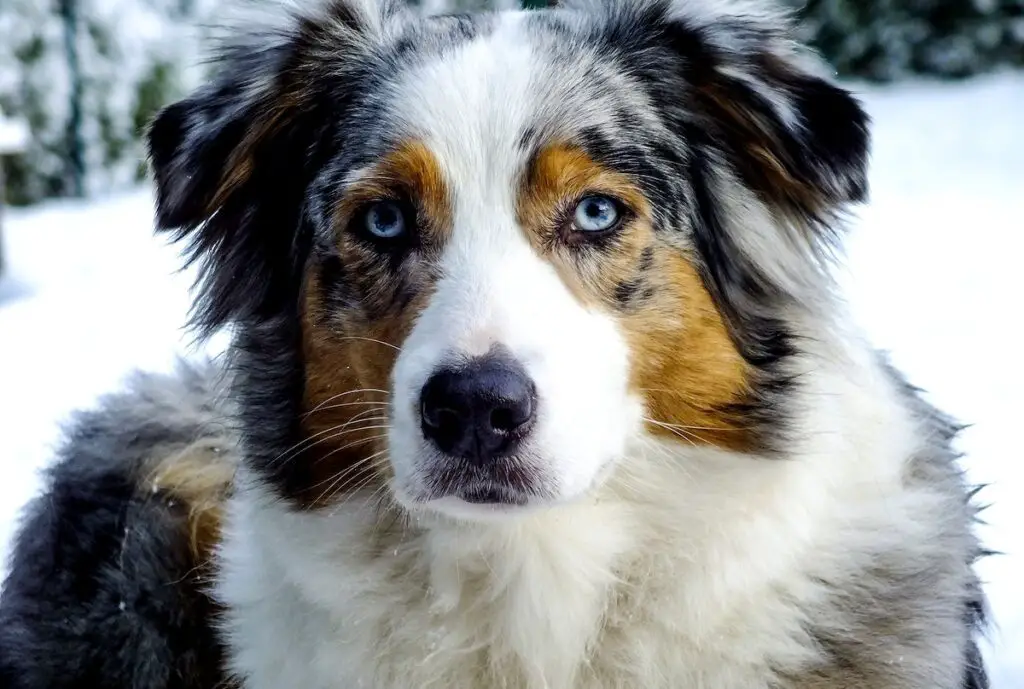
520	79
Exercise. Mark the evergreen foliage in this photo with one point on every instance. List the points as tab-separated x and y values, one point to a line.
884	40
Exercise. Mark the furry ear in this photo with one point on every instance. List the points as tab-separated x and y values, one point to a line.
229	178
232	162
796	138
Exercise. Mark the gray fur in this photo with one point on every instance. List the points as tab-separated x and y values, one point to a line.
912	617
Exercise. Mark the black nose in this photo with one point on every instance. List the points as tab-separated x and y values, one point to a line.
481	410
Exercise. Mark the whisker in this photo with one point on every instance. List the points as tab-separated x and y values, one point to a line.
349	470
696	428
307	443
354	443
682	394
380	493
339	434
320	407
370	339
688	437
334	432
347	392
335	486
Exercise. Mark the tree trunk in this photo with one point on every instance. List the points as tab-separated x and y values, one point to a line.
2	187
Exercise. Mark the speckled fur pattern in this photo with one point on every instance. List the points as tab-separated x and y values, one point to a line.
176	544
104	590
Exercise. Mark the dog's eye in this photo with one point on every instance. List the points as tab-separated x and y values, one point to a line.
385	220
596	214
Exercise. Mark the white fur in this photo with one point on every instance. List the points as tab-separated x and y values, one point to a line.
496	290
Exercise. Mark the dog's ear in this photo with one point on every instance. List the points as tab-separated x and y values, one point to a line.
794	136
233	161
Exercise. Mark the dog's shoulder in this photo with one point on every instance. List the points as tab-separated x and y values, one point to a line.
108	570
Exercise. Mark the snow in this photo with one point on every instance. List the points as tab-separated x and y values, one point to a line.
34	82
932	273
13	135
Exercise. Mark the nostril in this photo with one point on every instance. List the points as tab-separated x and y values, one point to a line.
448	419
504	420
438	417
509	417
431	414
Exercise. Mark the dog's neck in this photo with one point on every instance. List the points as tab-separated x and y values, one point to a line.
537	585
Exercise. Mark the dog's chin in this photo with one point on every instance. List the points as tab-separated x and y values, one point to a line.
461	509
510	488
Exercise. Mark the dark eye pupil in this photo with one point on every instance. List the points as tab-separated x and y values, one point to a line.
386	216
385	220
595	209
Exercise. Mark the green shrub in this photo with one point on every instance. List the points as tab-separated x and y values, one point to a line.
884	40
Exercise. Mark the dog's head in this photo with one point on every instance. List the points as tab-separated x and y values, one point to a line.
478	256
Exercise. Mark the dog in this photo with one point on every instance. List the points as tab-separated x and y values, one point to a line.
538	380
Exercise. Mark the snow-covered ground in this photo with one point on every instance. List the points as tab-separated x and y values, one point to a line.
934	274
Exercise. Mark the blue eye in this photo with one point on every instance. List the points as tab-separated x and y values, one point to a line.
385	219
596	214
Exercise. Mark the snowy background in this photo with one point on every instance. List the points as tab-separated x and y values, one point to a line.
933	273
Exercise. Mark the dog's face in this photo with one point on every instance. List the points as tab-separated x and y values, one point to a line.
497	250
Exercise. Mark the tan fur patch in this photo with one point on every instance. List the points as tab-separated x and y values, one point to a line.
349	354
559	177
345	412
200	476
685	364
684	361
409	172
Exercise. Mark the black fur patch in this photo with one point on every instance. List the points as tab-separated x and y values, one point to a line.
249	248
626	291
270	382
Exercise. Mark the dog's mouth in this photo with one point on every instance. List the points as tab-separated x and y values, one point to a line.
489	493
460	487
502	482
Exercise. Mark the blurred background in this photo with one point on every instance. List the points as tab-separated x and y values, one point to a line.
932	267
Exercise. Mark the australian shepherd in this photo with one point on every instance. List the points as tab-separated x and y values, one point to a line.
538	380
